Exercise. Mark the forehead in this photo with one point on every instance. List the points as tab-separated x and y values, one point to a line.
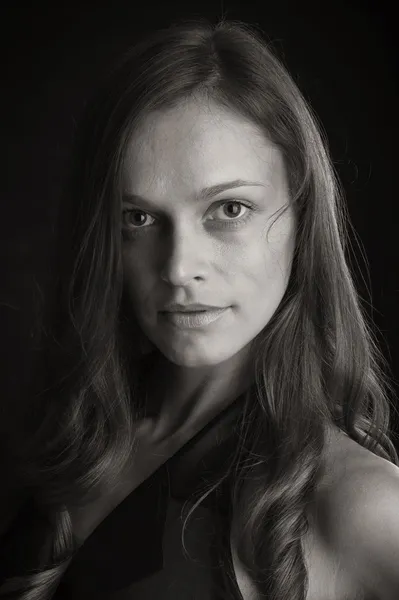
193	145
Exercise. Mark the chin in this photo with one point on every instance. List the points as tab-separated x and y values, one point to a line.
192	357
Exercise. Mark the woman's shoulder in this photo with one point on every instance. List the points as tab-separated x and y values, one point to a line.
357	506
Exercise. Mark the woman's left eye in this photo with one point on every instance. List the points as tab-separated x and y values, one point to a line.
233	208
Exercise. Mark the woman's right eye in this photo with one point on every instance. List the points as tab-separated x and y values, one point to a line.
134	221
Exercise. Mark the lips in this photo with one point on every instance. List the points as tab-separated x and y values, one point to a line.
193	307
192	319
188	311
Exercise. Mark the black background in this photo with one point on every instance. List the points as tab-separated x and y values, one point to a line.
343	56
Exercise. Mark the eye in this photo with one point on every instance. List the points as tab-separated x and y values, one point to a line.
235	208
232	209
135	212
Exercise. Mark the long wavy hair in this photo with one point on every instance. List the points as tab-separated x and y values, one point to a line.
316	362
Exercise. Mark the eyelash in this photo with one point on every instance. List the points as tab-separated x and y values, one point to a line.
231	224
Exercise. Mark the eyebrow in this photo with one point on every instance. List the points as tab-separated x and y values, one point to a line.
208	192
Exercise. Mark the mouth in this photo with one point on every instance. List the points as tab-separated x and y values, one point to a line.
195	319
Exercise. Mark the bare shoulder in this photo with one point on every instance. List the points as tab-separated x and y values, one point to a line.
358	516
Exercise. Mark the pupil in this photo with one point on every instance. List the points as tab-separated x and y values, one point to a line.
138	218
235	208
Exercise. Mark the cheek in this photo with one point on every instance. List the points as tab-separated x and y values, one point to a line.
264	264
279	248
136	278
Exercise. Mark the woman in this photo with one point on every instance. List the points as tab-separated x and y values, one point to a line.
204	179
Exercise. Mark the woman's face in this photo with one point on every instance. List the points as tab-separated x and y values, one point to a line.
186	246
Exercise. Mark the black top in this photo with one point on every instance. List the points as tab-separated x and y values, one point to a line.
136	553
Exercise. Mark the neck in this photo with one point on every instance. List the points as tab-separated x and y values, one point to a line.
183	395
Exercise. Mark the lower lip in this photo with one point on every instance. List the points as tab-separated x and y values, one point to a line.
193	320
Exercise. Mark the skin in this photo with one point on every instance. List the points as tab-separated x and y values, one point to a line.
178	248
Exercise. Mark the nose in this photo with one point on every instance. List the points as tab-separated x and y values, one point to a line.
184	260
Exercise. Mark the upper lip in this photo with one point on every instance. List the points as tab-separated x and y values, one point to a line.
189	307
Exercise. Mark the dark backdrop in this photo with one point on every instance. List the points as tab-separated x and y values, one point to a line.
343	56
